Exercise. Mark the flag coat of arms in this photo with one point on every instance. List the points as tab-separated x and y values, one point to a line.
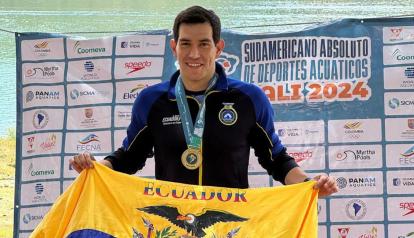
105	203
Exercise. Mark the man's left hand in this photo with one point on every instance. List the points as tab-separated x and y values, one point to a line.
326	185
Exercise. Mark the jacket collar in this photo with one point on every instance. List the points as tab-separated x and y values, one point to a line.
221	84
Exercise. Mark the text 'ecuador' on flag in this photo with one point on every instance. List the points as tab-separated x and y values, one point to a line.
105	203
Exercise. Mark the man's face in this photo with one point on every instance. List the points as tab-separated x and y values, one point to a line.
196	53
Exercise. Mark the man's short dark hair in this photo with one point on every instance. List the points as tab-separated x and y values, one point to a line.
197	14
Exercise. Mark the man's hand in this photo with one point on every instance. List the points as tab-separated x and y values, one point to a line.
326	185
82	161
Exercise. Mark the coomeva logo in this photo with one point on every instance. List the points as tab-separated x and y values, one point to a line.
400	56
79	50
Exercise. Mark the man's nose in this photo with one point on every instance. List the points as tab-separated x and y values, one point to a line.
194	52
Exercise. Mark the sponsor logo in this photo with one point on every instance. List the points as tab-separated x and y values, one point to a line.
301	155
40	119
361	182
133	93
41	48
172	120
34	173
74	94
135	66
27	218
341	181
407	158
343	232
78	49
88	121
398	55
124	115
131	44
410	123
49	143
45	72
353	129
86	144
288	132
229	62
89	66
407	206
29	96
228	115
407	181
356	209
39	188
41	95
394	103
396	34
409	72
355	155
30	143
373	233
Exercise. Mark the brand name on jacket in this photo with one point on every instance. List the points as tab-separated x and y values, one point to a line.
187	192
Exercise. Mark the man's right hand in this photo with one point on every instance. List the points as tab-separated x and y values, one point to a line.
82	161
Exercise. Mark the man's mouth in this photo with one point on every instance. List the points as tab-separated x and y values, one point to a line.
194	65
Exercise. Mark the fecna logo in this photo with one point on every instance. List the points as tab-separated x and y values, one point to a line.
79	50
86	144
394	103
29	96
407	206
40	119
89	138
135	66
39	188
399	55
407	158
356	209
133	93
49	143
89	66
409	72
229	62
341	182
343	232
301	155
30	143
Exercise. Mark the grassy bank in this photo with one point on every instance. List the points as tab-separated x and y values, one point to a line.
7	167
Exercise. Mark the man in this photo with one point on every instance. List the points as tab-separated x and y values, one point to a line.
200	125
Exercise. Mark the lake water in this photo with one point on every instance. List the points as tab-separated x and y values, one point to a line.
134	15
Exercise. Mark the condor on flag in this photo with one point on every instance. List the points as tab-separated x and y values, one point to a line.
105	203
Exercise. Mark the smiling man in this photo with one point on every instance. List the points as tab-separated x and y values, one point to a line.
200	125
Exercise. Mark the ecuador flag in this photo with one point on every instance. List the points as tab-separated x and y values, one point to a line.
105	203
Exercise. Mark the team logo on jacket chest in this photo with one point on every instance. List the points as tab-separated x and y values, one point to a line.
228	115
172	120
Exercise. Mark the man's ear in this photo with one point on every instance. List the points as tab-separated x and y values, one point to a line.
173	46
220	47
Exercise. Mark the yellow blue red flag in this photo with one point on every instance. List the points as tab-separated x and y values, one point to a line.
105	203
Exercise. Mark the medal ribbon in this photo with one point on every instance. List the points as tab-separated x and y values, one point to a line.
193	133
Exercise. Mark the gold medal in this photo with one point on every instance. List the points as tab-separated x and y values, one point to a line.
191	158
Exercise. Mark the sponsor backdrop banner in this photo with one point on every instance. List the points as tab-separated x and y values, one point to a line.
342	92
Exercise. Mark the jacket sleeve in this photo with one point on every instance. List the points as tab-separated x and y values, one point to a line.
137	145
268	147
